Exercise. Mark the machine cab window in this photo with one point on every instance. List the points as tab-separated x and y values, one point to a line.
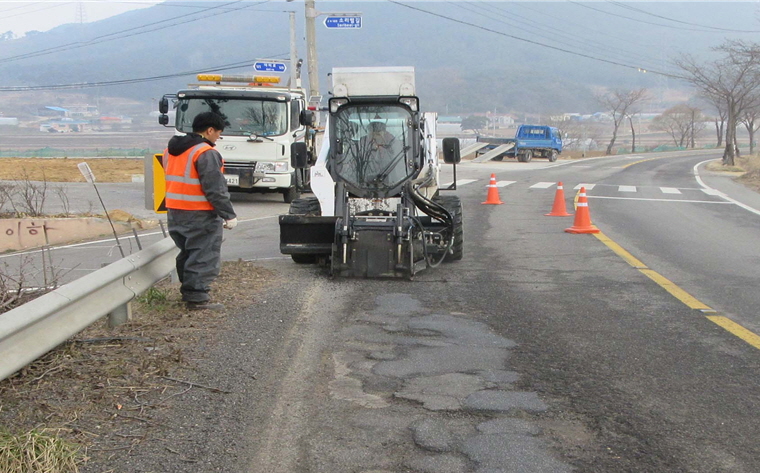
373	146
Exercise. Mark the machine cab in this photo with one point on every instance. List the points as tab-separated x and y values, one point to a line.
373	148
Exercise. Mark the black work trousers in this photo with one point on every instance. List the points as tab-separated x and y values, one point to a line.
198	235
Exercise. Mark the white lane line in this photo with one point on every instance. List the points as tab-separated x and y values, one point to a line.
670	190
626	188
542	185
710	191
504	183
720	194
659	200
587	186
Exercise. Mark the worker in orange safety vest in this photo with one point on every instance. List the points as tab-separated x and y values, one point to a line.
198	207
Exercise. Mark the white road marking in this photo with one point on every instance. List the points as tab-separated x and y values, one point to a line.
626	188
669	190
710	191
587	186
658	200
542	185
504	183
723	196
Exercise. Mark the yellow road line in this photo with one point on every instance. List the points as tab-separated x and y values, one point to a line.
620	251
683	296
637	162
741	332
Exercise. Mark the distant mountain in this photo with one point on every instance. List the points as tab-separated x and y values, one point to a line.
535	57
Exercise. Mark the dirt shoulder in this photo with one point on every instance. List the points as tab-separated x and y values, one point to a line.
103	389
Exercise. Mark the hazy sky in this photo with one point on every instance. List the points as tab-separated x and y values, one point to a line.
42	15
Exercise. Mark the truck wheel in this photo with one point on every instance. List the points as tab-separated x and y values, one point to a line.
552	155
499	158
453	204
290	194
527	156
305	206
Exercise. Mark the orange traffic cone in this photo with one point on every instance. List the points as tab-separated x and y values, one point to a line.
493	193
558	209
582	223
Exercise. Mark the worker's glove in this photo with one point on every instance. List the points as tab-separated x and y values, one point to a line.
230	224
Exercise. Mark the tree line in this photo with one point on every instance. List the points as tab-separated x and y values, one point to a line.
729	85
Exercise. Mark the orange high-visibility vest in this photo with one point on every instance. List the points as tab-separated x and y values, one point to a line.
183	187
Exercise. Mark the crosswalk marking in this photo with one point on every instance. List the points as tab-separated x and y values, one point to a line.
587	186
669	190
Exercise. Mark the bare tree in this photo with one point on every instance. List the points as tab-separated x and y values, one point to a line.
682	122
731	79
750	118
620	104
720	117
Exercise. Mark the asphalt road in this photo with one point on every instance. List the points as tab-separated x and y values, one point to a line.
540	351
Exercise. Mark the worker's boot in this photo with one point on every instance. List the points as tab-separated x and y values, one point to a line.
204	305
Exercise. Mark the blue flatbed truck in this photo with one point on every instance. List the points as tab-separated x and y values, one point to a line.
530	141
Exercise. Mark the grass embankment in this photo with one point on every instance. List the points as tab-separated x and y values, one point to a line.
65	169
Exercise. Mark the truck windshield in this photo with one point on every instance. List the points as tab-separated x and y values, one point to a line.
372	145
242	116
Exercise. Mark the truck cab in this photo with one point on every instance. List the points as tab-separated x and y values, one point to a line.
262	121
537	140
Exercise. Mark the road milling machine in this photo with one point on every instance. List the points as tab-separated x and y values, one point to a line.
378	209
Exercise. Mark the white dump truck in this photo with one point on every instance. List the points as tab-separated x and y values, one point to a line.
378	209
263	120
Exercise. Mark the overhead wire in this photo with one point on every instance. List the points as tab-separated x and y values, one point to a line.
702	30
523	23
105	38
86	85
536	43
639	10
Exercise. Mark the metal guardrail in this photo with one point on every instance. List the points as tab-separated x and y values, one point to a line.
33	329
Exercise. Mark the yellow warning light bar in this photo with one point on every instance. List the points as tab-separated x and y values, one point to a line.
238	78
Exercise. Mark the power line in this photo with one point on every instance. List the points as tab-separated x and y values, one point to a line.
536	43
105	38
524	22
632	8
638	20
88	85
48	7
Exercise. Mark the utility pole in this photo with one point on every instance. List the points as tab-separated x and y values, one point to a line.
311	52
294	82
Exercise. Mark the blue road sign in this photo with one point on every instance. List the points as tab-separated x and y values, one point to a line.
269	66
343	22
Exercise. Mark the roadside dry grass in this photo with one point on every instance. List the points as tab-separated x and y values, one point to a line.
65	169
746	170
97	395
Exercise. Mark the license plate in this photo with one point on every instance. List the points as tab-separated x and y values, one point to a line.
232	179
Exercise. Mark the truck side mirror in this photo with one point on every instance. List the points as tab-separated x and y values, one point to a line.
306	118
163	105
163	119
299	155
451	151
